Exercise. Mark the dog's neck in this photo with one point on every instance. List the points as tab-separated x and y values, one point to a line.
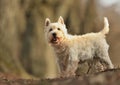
60	45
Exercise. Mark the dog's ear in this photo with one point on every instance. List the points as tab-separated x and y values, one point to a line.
47	22
60	20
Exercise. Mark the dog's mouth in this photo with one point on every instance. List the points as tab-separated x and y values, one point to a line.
55	40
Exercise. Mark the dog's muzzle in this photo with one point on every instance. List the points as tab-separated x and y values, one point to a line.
54	39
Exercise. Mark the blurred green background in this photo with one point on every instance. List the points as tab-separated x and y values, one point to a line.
23	49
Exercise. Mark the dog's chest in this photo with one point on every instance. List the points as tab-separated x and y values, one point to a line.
62	55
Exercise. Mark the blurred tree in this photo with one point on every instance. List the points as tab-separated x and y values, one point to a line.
10	17
89	18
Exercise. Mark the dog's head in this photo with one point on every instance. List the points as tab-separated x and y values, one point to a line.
55	32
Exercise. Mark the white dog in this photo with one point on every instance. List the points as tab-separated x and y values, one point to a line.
71	49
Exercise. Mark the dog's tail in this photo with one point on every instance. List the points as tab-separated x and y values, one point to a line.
106	26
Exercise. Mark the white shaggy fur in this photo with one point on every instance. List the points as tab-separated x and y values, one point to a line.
71	49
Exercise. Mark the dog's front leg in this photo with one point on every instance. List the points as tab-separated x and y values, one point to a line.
71	68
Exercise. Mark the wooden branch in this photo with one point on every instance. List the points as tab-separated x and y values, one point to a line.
109	77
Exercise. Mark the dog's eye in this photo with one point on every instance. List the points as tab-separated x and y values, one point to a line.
58	28
50	29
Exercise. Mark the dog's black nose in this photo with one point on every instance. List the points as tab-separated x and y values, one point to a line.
54	34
